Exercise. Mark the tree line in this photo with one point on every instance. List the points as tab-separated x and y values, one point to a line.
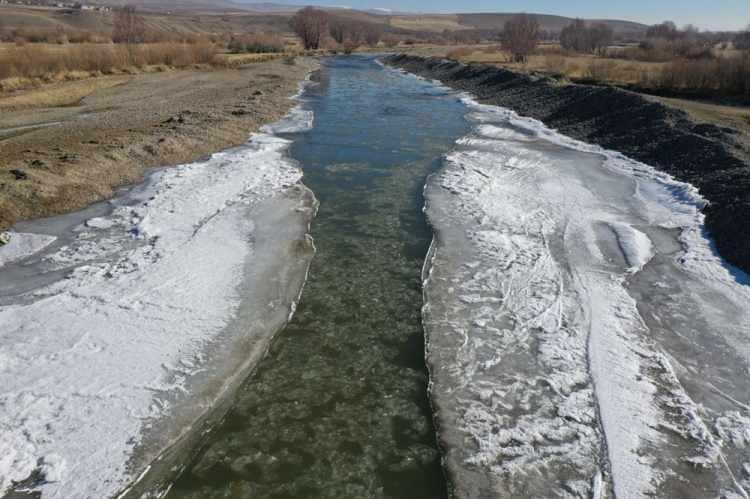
313	26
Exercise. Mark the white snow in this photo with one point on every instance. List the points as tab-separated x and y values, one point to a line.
531	326
23	245
635	245
90	361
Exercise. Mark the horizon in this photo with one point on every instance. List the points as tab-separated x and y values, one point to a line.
720	15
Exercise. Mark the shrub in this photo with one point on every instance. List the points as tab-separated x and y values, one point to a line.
556	64
722	76
256	44
390	41
742	40
37	61
601	70
349	46
457	54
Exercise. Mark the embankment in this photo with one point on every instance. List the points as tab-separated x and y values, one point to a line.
712	158
67	145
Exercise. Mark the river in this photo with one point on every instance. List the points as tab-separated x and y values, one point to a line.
493	310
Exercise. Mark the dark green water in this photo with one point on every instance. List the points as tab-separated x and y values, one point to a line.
339	407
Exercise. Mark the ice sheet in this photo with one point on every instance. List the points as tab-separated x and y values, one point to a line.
545	375
89	363
23	245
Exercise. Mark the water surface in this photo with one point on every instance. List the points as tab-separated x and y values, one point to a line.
339	407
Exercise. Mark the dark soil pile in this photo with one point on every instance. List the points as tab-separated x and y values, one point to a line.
710	157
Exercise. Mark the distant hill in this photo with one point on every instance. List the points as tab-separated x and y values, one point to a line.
265	6
402	20
547	22
190	17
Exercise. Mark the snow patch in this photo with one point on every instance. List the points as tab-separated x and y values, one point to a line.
22	245
89	362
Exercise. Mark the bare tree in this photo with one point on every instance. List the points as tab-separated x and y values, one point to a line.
311	25
463	36
742	40
391	41
521	36
666	30
580	37
339	29
576	36
372	34
129	26
601	37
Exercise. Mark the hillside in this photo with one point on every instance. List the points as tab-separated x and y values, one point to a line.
193	17
547	22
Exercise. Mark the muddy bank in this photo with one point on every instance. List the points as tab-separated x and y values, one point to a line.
712	158
58	156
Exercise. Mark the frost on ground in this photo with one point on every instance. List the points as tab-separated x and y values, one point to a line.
583	338
152	301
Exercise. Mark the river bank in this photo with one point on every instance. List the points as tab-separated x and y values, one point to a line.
68	145
126	324
712	158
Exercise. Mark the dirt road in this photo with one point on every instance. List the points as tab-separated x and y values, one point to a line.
65	146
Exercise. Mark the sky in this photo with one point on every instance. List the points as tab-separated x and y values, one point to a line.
706	14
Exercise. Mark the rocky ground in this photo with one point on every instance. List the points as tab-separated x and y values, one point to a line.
712	157
63	156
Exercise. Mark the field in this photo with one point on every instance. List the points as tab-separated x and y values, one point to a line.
48	45
722	76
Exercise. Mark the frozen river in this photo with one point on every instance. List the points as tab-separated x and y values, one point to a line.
564	330
583	337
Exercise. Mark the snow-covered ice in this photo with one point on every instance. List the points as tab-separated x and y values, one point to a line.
150	303
22	245
576	318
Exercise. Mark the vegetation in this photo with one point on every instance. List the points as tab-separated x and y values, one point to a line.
255	43
521	36
311	25
129	26
45	62
663	58
742	40
583	38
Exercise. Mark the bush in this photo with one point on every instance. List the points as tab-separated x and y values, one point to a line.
742	41
601	70
724	76
36	61
556	64
390	41
256	44
457	54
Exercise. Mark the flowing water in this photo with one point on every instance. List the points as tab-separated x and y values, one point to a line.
583	337
339	407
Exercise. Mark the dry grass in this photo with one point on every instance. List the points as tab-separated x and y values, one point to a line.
434	23
256	43
460	53
733	116
237	60
60	95
49	62
36	65
727	75
553	60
